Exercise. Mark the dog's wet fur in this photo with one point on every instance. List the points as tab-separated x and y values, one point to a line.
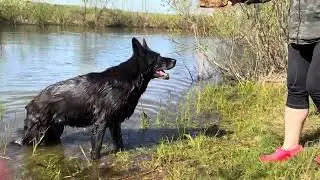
98	99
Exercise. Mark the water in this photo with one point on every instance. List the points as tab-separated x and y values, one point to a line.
31	59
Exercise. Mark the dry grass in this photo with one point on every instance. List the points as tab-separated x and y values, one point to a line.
252	40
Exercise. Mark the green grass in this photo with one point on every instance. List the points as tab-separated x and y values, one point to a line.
251	114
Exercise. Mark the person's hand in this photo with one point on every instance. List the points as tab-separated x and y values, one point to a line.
207	4
233	2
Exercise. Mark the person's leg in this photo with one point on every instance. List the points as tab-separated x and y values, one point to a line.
294	120
298	98
297	104
313	82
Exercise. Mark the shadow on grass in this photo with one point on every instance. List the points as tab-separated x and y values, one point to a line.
134	138
311	138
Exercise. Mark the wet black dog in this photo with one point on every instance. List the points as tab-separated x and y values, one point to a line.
101	99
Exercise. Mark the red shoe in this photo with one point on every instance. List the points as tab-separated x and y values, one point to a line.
281	154
317	159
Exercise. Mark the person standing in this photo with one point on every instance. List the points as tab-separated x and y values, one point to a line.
303	73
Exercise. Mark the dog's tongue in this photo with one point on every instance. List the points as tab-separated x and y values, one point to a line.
162	73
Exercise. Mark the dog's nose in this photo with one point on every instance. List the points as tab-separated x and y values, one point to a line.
173	62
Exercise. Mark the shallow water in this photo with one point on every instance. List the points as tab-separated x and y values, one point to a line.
31	59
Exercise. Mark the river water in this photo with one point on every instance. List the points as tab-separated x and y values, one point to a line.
33	58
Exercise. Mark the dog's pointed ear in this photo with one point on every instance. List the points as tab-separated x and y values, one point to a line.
145	45
137	47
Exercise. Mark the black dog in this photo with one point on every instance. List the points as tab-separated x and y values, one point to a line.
101	99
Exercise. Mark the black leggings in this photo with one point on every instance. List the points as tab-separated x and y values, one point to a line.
303	75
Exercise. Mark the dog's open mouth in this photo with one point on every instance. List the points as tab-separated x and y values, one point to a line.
161	74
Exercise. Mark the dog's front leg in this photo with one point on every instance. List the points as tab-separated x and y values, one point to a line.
115	131
98	131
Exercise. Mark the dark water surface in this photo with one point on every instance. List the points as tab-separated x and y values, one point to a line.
31	59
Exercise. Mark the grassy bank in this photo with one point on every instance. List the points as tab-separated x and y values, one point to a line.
254	113
25	12
42	13
252	116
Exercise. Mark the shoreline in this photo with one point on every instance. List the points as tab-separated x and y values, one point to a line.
250	124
